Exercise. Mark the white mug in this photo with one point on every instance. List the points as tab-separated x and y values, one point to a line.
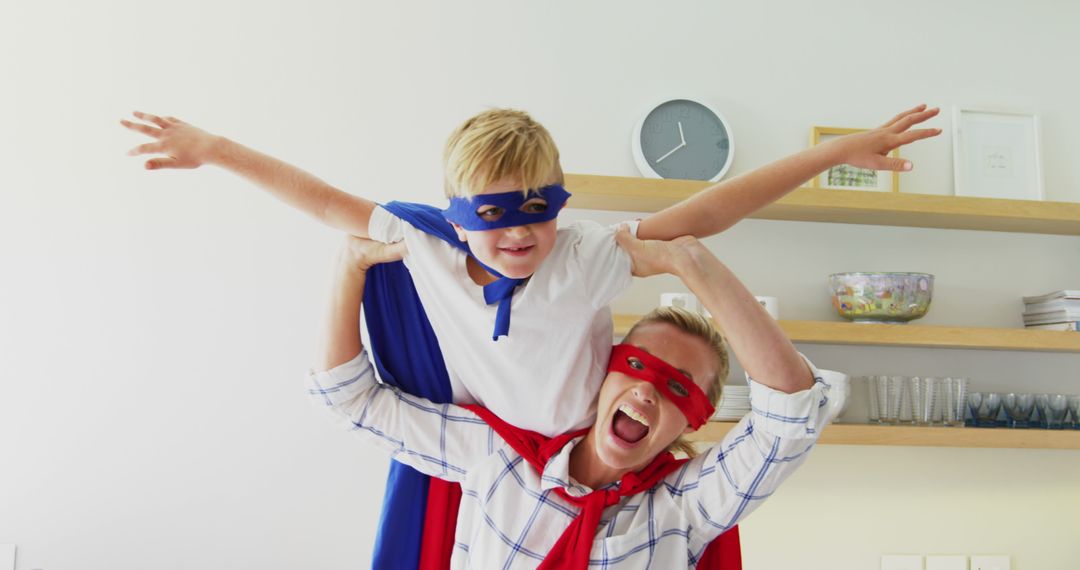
681	300
771	304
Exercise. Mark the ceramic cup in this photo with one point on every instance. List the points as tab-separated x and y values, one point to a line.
771	304
839	392
681	300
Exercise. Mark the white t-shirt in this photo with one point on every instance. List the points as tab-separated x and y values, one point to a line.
545	374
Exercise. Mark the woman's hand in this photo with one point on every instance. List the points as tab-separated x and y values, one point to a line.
359	254
184	145
653	257
341	337
871	149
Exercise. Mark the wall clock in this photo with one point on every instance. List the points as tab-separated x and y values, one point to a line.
683	138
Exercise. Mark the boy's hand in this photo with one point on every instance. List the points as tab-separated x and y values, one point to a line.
653	257
871	149
184	145
359	254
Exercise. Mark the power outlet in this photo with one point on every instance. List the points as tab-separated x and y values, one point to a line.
946	562
995	562
901	562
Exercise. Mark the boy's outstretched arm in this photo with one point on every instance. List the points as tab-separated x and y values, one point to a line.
187	146
720	206
755	338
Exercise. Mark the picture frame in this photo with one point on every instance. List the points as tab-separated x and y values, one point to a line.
847	177
996	154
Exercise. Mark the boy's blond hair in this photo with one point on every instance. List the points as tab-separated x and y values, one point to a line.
496	145
695	325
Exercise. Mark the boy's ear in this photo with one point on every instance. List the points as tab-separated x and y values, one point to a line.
461	235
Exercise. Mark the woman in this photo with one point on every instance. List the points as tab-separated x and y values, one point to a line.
610	494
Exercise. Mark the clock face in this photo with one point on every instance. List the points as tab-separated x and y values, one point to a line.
684	139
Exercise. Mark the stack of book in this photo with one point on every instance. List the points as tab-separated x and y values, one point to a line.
734	403
1057	311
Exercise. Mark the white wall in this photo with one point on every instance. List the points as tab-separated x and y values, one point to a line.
154	326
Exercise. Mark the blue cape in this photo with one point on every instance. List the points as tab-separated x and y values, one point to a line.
407	355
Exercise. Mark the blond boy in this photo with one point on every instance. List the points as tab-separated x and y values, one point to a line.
541	378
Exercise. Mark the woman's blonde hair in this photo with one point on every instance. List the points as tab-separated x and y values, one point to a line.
496	145
695	325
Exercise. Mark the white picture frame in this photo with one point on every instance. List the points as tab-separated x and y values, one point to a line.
996	154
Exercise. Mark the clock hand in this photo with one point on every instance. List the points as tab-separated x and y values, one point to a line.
681	137
669	152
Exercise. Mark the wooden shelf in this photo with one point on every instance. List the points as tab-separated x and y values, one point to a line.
921	336
633	194
864	434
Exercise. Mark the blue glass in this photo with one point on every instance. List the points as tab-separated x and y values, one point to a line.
985	408
1018	409
1053	408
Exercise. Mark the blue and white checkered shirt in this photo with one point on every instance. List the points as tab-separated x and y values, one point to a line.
510	515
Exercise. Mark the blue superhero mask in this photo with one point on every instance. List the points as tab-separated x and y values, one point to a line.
462	211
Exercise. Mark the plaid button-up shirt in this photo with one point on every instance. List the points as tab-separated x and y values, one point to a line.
509	515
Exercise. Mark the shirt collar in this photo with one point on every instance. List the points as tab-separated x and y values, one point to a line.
557	473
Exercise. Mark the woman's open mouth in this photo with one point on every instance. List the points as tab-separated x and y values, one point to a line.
628	426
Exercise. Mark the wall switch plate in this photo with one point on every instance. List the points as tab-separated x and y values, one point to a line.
995	562
901	562
946	562
7	557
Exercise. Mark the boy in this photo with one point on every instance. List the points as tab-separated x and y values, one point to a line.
501	252
571	278
529	500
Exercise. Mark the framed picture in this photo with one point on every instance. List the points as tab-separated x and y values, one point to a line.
996	154
847	177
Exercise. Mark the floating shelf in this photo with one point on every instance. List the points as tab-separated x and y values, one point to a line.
621	193
922	336
864	434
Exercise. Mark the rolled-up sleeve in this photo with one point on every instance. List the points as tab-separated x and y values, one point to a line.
798	415
728	481
441	440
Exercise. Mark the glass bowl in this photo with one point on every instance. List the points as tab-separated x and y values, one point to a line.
881	297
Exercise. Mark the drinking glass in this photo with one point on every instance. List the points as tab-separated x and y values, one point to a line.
1052	410
1074	409
925	400
985	407
890	392
1018	409
871	386
954	392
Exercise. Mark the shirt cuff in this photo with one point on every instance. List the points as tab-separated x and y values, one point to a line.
343	381
799	415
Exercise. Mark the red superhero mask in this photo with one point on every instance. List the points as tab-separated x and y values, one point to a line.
674	385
